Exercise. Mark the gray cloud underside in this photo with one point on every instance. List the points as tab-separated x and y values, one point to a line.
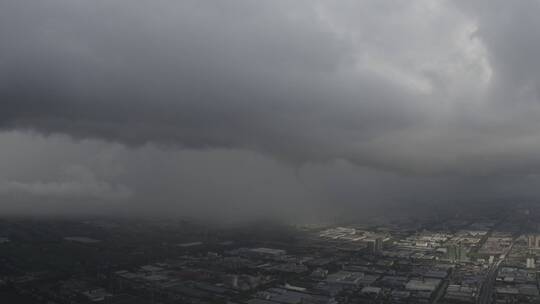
55	175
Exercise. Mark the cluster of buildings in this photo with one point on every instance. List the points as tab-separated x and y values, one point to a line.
463	261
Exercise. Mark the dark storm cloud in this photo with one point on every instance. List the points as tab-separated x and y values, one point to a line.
274	77
390	101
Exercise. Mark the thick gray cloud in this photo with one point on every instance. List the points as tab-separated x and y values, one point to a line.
303	81
332	101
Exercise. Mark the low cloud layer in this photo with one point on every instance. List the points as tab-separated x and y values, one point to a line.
259	106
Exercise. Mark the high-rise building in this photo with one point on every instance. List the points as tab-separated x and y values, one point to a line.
375	245
531	263
456	253
533	240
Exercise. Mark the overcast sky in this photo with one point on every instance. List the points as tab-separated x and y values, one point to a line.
241	108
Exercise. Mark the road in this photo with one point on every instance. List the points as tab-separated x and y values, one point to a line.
486	291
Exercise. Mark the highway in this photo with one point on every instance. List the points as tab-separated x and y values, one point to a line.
486	291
